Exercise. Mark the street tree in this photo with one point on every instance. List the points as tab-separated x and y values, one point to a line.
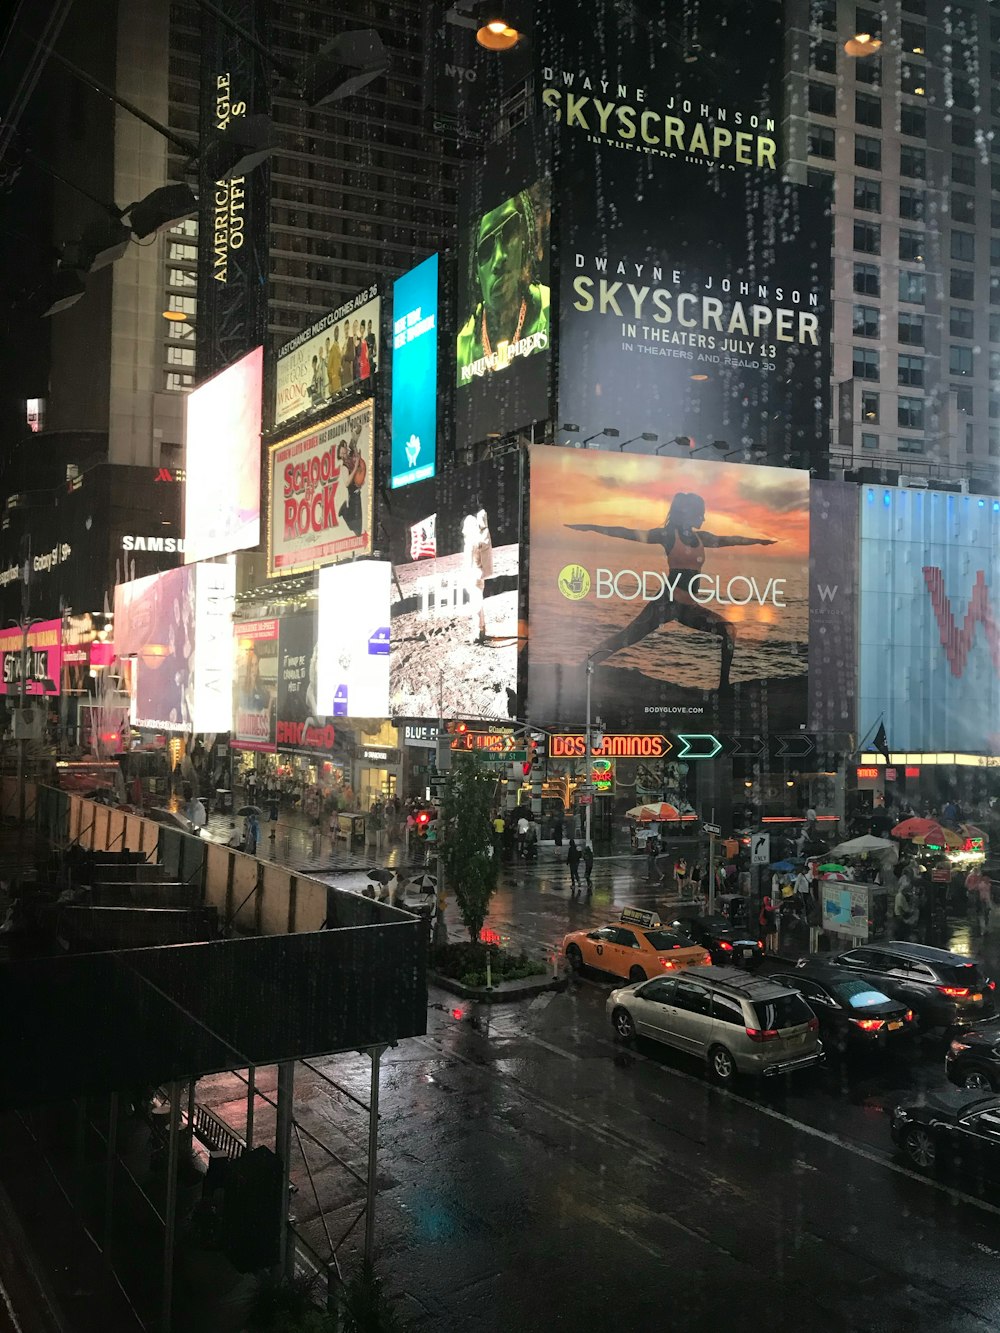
466	839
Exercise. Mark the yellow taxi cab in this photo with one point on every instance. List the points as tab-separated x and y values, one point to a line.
637	947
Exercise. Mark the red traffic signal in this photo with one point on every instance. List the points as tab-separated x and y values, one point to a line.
423	818
526	767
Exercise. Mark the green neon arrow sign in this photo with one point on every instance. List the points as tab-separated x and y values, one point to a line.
699	745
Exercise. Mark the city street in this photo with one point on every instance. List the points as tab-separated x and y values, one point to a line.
534	1173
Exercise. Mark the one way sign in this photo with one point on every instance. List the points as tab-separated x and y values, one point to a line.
760	849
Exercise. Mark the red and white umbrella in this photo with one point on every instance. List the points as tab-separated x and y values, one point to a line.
653	812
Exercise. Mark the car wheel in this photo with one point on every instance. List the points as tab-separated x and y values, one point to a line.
574	957
978	1078
721	1065
919	1147
636	974
624	1027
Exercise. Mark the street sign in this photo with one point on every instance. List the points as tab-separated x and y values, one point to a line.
760	849
714	829
585	798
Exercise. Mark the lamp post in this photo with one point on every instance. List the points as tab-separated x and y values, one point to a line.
611	432
682	442
588	758
649	436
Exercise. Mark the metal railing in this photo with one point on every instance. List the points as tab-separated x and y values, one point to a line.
216	1134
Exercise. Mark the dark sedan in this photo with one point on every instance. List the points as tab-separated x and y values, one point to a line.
729	945
943	989
852	1012
973	1059
951	1130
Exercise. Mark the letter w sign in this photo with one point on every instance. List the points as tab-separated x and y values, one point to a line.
957	643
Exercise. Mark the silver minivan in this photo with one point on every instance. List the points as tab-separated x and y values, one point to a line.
735	1022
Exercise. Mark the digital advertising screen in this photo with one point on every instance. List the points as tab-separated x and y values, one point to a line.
334	357
255	684
320	494
414	374
222	420
929	616
302	727
504	328
44	659
693	306
353	664
684	584
176	627
833	606
454	612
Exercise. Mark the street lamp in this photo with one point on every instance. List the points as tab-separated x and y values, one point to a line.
609	431
682	441
646	435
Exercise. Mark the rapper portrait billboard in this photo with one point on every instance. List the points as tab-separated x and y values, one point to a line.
255	684
453	611
504	333
694	306
320	494
353	663
329	360
222	461
684	584
929	617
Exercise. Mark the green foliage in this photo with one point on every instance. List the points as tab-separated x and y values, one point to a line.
467	963
281	1306
466	848
366	1307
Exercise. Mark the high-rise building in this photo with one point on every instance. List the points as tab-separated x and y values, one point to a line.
907	138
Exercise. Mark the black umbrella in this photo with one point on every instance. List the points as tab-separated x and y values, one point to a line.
380	876
250	810
426	883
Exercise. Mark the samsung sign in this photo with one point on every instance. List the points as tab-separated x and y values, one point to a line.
166	544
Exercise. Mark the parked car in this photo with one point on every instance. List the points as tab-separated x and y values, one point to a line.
638	947
852	1012
950	1130
943	989
735	1022
973	1059
728	945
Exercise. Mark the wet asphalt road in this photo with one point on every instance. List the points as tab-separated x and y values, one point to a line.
536	1175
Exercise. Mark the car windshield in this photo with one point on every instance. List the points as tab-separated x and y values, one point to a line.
783	1011
663	939
858	994
960	974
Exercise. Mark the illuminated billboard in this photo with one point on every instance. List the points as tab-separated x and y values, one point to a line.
693	307
44	659
414	374
255	684
353	663
454	611
929	617
301	726
320	494
177	629
504	331
331	359
222	461
684	584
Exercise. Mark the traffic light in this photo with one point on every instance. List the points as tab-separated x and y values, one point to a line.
423	819
535	757
456	728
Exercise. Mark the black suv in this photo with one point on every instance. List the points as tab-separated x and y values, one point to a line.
943	989
973	1059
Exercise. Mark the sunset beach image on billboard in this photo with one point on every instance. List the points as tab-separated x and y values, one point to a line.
683	583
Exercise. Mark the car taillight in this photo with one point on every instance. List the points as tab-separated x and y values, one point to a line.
666	962
813	1025
992	985
706	960
724	944
909	1015
957	1046
869	1024
759	1034
956	992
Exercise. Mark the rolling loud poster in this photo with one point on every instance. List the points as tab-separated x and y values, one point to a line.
685	583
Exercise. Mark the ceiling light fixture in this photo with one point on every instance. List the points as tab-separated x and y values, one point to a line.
497	35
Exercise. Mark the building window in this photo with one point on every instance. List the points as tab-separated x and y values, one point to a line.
911	246
913	121
822	99
867	152
178	250
867	109
995	214
910	413
910	446
995	328
188	227
869	405
822	142
868	238
963	207
181	277
915	6
911	371
817	179
868	440
180	356
962	284
963	398
912	286
994	442
960	359
867	71
970	438
914	37
911	203
963	93
961	322
910	329
913	79
963	169
994	289
963	246
866	322
866	363
178	381
963	132
187	304
995	252
824	56
867	20
994	364
866	280
912	161
867	194
823	13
